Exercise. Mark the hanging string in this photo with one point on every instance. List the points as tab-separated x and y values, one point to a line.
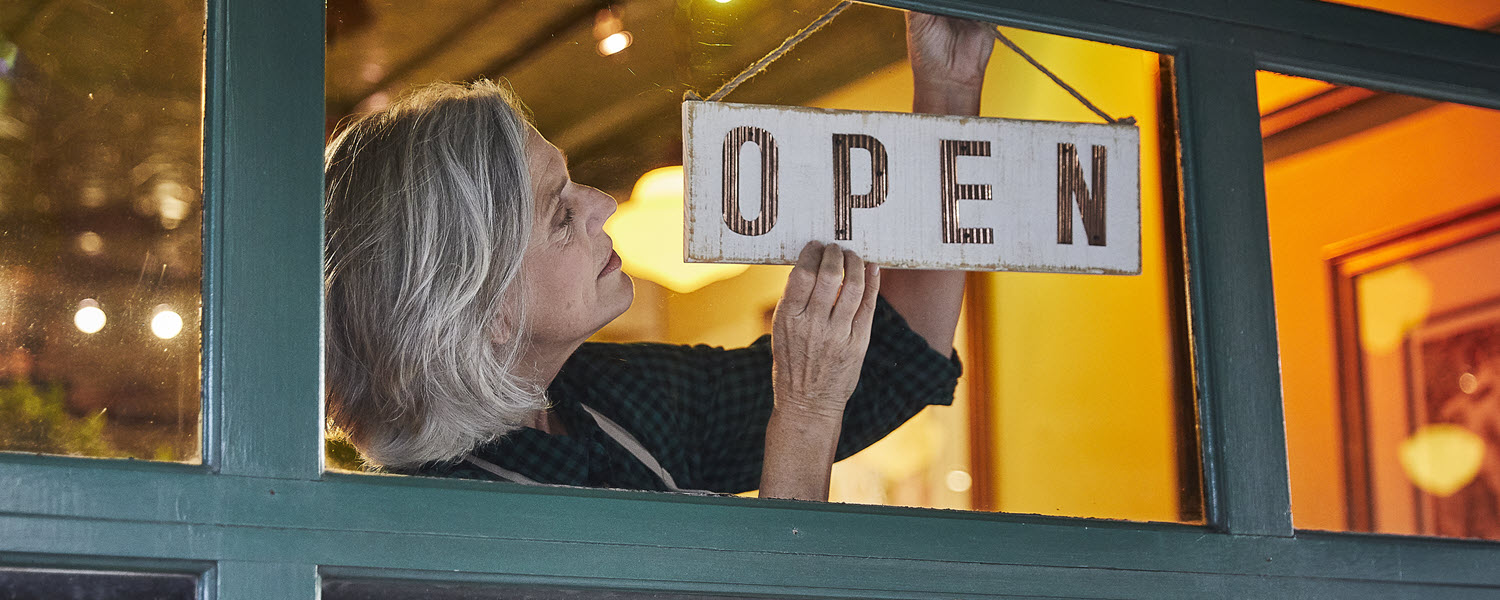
1058	80
786	46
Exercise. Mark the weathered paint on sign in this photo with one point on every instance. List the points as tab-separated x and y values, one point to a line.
911	190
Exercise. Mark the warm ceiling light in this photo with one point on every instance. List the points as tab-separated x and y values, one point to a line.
722	1
89	318
1442	458
166	323
959	481
615	43
648	235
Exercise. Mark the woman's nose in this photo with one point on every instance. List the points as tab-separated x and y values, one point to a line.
602	205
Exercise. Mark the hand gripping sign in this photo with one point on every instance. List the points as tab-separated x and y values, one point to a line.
910	190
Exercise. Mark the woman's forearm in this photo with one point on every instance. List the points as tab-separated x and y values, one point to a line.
946	98
799	456
929	301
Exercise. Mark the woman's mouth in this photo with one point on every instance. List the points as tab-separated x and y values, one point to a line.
611	265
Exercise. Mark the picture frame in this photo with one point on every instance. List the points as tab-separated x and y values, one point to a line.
1416	319
1443	356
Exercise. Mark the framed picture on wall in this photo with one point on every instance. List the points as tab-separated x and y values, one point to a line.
1417	319
1454	365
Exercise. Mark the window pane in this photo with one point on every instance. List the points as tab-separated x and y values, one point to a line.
100	227
1385	231
50	584
1075	399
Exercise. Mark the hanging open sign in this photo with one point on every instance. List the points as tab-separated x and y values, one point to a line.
911	190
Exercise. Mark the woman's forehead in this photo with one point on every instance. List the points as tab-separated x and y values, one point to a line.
543	159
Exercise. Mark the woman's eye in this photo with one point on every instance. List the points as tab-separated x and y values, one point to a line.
567	218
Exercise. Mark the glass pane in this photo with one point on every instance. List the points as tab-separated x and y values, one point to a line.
100	227
1474	14
1385	231
50	584
1075	398
380	589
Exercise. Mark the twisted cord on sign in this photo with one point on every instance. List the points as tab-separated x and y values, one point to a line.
1055	79
786	46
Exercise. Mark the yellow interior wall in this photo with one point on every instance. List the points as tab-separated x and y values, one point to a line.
1085	374
1081	385
1433	162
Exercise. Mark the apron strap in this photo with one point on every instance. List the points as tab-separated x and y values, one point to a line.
500	471
632	445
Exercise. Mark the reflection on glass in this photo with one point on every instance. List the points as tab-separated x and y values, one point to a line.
54	584
100	164
1385	229
1075	400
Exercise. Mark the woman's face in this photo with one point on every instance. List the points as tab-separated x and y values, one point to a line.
570	275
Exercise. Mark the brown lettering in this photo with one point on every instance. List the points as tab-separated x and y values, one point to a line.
952	192
844	201
1071	187
769	171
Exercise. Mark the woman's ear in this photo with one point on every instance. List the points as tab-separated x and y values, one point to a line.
506	324
503	329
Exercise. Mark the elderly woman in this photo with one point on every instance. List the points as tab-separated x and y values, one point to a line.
465	271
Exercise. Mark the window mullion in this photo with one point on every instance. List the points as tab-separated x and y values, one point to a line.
263	239
1233	312
245	580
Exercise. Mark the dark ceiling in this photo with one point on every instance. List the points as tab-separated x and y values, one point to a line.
615	116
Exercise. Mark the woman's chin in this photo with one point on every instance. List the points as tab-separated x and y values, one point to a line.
627	293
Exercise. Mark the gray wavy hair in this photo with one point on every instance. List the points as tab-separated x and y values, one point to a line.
428	209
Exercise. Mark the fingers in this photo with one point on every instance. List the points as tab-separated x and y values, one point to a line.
830	278
833	283
799	284
866	313
853	290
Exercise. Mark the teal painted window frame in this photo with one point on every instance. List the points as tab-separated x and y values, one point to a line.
260	518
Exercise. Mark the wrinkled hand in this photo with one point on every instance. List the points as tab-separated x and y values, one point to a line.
821	331
947	52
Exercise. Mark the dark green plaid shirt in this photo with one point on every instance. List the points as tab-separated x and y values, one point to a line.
702	411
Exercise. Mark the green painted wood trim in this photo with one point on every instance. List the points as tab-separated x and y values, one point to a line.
405	523
263	238
214	40
1303	37
1232	309
1261	567
105	563
1345	25
256	580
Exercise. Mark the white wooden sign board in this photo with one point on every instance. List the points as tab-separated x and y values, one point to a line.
911	190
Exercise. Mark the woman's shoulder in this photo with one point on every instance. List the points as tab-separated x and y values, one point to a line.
656	356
